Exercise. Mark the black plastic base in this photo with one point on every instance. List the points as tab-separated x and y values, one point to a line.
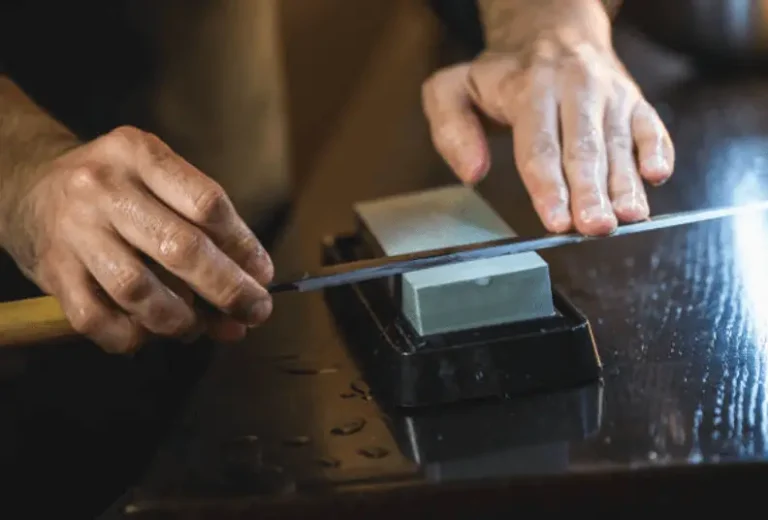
405	369
469	438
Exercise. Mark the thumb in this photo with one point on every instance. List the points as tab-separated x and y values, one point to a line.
456	131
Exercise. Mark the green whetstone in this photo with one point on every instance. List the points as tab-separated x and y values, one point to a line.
462	296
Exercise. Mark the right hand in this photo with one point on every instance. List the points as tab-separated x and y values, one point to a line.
90	215
584	137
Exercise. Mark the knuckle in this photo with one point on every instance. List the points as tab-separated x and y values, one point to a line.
168	320
589	194
210	205
127	131
624	93
576	64
129	284
619	139
161	155
122	140
446	80
267	272
86	319
179	327
583	173
86	179
149	137
586	148
246	243
583	74
180	247
545	147
434	80
231	295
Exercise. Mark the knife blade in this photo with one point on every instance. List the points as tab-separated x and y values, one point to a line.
364	270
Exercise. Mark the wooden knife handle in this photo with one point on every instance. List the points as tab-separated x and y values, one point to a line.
34	320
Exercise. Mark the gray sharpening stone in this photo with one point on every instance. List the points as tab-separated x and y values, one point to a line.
463	296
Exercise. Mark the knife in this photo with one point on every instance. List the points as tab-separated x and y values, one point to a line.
41	320
364	270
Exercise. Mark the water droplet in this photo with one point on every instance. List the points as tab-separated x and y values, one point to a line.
329	462
305	369
298	440
373	452
361	388
349	427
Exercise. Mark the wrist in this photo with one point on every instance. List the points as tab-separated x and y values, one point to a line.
20	176
513	26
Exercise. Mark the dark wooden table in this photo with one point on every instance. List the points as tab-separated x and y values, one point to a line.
680	318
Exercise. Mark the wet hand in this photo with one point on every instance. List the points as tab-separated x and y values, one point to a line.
584	136
94	215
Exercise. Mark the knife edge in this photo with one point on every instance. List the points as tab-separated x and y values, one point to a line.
382	267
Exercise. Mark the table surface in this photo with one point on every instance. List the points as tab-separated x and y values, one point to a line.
680	317
285	424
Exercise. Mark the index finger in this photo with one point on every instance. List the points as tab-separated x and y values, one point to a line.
202	201
455	129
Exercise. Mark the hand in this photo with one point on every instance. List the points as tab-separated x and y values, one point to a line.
612	138
92	214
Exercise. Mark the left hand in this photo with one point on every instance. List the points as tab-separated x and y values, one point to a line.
559	83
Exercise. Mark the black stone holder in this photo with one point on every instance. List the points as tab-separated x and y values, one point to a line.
407	370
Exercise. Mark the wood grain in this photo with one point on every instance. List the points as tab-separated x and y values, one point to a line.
31	321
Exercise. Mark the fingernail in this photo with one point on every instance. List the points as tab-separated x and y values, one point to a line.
598	219
654	164
260	312
559	218
594	213
631	206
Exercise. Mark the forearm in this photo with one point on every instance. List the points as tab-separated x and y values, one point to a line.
29	137
509	24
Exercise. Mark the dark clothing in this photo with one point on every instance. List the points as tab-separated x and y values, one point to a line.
80	427
86	61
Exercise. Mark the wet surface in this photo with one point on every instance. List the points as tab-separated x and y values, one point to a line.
680	318
285	423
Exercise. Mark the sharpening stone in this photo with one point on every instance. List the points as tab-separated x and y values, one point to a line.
457	297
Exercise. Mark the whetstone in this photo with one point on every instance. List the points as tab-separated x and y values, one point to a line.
455	297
